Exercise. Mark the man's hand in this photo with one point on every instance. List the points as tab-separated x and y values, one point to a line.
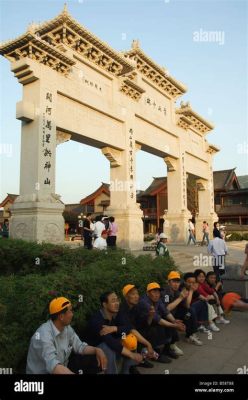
184	293
150	351
101	359
179	326
137	357
106	329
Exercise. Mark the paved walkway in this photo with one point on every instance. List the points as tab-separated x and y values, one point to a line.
191	257
228	349
223	354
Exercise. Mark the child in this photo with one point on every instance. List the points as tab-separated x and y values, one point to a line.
211	280
194	302
174	299
161	249
210	296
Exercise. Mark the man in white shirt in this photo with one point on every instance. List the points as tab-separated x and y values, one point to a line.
99	227
101	243
191	229
217	247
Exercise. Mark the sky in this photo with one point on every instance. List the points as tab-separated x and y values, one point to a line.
173	34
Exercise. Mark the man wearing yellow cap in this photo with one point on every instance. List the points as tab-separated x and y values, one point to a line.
175	301
110	330
55	340
156	323
129	309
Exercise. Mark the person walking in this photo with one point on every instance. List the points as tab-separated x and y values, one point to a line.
205	231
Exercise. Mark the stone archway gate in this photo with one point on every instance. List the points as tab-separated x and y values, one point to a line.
75	87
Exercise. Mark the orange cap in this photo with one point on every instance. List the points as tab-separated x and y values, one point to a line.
58	304
152	285
229	299
173	275
130	342
127	289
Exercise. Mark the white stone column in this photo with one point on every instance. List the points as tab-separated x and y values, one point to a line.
37	212
206	205
177	215
123	206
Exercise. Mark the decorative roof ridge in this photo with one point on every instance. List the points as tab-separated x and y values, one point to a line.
185	109
66	17
29	35
134	85
162	70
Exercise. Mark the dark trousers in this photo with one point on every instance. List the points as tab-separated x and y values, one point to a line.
188	317
200	310
87	240
111	241
172	334
157	335
217	263
83	364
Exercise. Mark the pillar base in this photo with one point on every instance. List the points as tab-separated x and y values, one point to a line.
37	221
176	226
130	234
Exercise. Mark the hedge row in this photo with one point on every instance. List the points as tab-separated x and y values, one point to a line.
237	236
80	275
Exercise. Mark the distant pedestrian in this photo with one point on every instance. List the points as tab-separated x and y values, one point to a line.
101	243
191	229
99	227
161	249
216	231
112	233
87	232
5	229
217	247
245	265
205	231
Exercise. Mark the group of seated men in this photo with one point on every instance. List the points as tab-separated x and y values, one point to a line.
131	333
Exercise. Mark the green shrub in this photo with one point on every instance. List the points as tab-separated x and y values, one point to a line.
20	257
77	274
245	236
234	236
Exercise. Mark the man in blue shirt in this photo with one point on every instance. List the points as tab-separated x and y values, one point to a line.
107	328
156	323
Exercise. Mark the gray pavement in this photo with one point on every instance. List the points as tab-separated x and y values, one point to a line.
228	349
191	257
223	354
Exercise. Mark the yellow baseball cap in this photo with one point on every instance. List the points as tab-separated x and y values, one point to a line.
58	304
152	285
173	275
130	342
127	289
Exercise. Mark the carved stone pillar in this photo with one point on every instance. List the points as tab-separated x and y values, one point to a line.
177	215
37	212
123	206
